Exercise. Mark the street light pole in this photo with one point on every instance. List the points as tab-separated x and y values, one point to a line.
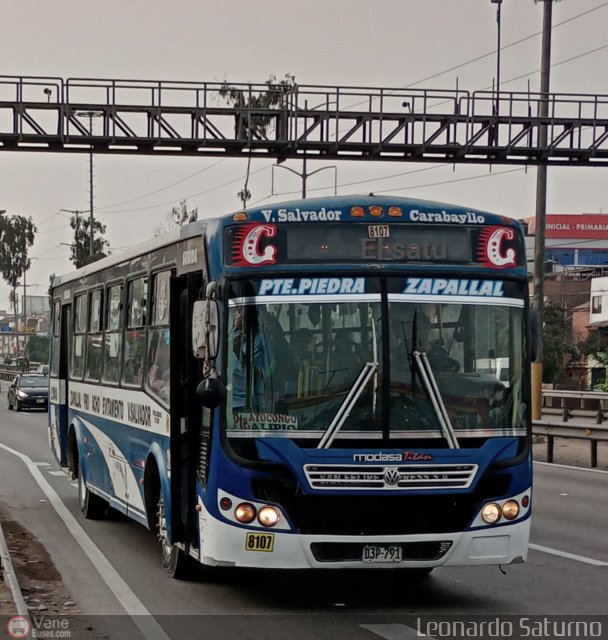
498	4
305	175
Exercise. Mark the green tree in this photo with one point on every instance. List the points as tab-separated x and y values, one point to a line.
80	250
16	237
177	217
256	112
257	109
37	349
596	346
557	342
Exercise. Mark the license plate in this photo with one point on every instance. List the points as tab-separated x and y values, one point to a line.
40	400
259	542
381	553
378	231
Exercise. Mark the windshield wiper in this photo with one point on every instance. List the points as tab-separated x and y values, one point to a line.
368	370
428	379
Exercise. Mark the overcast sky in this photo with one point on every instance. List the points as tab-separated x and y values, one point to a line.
371	43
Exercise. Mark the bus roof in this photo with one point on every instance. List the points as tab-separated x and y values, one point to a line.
350	208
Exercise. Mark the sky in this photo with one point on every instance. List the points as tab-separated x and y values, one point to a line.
433	44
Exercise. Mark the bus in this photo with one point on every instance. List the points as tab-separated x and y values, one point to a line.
305	385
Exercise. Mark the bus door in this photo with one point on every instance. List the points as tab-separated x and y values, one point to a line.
58	405
185	408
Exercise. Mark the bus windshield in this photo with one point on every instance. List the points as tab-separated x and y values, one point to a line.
372	364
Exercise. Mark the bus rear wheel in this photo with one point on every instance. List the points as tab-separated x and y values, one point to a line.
93	507
175	562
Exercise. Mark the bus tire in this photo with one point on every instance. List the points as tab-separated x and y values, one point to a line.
175	562
92	507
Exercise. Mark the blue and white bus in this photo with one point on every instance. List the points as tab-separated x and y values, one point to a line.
312	384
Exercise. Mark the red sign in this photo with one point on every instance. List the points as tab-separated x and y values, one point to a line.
587	225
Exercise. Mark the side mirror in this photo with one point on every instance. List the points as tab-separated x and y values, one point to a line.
205	329
211	392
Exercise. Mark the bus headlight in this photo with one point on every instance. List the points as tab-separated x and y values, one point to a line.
510	509
245	512
491	513
268	516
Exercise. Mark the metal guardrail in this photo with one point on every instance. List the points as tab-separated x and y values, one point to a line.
553	429
592	405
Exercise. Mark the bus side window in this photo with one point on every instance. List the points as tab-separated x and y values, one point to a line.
113	335
135	337
94	338
80	327
159	338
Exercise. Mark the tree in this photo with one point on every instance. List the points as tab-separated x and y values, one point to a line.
557	338
80	250
255	108
177	217
256	113
16	237
37	349
596	347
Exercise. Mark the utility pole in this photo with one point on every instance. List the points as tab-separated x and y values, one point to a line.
90	115
541	210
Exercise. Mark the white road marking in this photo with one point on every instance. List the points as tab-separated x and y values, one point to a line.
570	556
394	631
56	473
43	464
132	605
566	466
74	484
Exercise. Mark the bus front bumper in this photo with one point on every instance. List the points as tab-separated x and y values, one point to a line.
223	544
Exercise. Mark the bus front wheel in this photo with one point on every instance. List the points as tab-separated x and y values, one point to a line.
175	562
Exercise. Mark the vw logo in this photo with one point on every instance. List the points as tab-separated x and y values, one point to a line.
392	476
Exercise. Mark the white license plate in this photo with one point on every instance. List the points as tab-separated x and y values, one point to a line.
381	553
40	400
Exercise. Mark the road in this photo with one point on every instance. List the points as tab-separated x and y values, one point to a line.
566	572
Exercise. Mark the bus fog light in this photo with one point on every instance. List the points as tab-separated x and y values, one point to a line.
491	513
510	509
245	512
268	516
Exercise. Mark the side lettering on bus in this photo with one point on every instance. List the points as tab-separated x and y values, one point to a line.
302	215
454	287
443	216
310	286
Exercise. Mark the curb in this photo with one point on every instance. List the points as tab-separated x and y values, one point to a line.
11	577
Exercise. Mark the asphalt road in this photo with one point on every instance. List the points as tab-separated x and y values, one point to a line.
120	573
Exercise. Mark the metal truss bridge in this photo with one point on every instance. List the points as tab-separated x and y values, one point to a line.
287	121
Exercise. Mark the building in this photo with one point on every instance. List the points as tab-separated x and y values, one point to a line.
574	240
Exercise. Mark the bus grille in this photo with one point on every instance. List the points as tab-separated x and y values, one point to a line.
395	477
353	551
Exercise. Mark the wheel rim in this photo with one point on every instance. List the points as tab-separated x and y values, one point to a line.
82	490
163	536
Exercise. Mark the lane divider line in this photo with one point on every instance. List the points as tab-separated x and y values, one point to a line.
568	466
569	556
132	605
